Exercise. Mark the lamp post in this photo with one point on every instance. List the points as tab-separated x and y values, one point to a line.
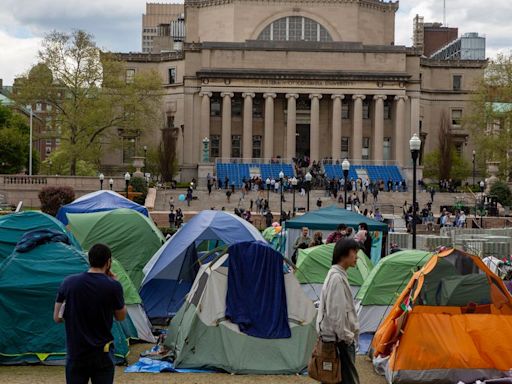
414	145
102	177
294	186
111	183
281	177
268	191
308	178
29	107
127	178
474	172
145	157
345	166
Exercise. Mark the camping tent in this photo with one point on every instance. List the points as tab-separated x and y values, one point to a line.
132	237
314	263
29	282
385	282
13	226
99	201
172	270
453	322
275	237
201	336
327	220
136	325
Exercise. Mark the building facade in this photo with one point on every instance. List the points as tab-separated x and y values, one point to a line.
322	79
155	23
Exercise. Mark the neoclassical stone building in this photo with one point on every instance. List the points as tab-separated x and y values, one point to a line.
317	78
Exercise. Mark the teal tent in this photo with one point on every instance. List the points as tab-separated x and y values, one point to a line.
29	282
13	226
330	217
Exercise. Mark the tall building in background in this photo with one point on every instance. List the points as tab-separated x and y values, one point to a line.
156	21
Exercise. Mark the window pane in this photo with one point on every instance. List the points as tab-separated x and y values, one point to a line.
172	75
387	148
456	116
457	82
130	73
345	111
215	106
256	147
294	28
310	30
214	146
265	34
366	109
235	146
257	107
280	29
345	142
387	110
236	107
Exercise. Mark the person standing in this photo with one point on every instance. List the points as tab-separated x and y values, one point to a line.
337	318
87	303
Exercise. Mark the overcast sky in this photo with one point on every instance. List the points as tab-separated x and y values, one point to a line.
116	24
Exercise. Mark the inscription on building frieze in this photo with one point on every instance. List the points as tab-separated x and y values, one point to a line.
306	83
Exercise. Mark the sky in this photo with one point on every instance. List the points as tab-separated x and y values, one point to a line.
116	25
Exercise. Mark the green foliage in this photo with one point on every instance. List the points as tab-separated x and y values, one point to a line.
167	231
89	95
14	143
60	165
460	169
139	185
52	198
501	190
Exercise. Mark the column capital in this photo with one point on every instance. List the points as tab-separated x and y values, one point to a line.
267	95
401	97
356	97
205	93
224	94
339	96
379	97
315	96
294	95
248	94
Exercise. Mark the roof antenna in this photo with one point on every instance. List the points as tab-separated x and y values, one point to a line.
444	13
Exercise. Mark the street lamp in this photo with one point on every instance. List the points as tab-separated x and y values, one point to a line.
268	191
281	177
294	186
474	171
127	178
308	178
414	145
102	177
145	157
345	166
111	183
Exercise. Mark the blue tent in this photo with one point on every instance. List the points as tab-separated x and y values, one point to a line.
172	270
97	202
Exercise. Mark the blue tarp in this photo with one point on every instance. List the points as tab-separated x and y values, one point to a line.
32	239
99	201
256	296
147	365
170	273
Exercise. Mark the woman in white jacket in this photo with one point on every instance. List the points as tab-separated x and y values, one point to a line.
337	318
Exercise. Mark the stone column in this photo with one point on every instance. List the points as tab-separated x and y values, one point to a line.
268	140
336	126
247	126
415	116
399	143
357	133
378	134
291	125
314	136
205	116
226	124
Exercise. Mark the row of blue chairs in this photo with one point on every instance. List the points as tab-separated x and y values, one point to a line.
236	173
375	172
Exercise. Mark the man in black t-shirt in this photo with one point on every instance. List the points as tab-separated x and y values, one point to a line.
87	304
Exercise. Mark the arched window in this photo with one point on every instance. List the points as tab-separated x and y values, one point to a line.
295	28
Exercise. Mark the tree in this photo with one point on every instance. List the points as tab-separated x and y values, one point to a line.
14	143
52	198
490	117
502	192
89	94
459	170
60	165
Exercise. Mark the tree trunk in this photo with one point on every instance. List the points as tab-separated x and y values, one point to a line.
167	153
72	166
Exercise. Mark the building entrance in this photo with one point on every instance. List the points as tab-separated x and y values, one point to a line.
302	141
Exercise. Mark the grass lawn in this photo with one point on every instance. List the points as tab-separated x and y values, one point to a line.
53	375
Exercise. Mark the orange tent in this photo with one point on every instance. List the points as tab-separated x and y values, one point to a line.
453	322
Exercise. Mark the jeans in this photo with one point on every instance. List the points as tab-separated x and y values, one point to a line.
347	354
99	369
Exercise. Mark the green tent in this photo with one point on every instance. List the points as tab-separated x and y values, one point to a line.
136	325
14	225
314	263
384	284
133	237
201	337
274	238
29	283
329	218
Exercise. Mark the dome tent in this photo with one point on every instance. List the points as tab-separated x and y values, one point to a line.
132	237
385	282
202	336
172	270
99	201
314	263
29	282
456	315
14	225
